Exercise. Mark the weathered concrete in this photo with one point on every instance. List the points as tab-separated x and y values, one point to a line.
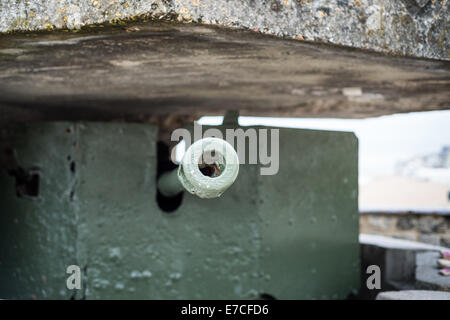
427	272
392	243
411	27
414	295
160	69
397	261
432	227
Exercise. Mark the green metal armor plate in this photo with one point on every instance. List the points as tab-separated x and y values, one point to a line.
293	235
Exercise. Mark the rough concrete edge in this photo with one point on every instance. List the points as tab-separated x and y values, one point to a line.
392	243
413	295
402	28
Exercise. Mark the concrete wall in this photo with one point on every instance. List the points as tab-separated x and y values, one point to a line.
427	228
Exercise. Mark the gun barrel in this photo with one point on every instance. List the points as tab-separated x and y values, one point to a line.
209	167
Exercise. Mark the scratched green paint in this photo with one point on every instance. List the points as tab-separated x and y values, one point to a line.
293	235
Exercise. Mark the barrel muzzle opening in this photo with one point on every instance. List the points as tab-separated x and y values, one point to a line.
209	167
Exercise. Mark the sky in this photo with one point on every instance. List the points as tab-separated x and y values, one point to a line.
383	141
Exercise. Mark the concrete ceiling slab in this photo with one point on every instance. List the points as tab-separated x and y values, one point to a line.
146	69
